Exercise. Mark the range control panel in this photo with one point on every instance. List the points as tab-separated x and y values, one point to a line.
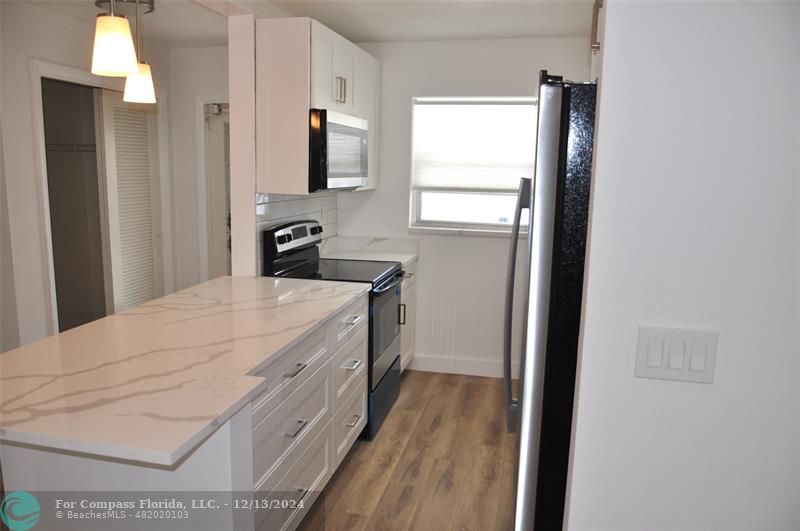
295	235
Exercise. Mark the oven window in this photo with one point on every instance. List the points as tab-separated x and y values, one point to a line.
386	319
347	151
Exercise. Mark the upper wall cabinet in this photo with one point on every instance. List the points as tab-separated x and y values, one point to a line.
300	65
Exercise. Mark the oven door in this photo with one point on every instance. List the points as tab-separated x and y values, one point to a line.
384	327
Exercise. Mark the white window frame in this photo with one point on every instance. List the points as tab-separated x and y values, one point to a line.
415	223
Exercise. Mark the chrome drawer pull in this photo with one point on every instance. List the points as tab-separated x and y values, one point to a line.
353	366
352	424
301	424
354	320
298	369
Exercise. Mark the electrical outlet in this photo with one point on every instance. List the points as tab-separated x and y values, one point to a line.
676	354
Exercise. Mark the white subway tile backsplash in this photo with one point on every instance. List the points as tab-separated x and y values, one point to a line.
280	208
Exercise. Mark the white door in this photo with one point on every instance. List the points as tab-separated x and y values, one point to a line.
130	159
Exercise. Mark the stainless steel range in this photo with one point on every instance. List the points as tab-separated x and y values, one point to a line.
292	250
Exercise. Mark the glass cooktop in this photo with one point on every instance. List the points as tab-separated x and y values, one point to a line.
356	270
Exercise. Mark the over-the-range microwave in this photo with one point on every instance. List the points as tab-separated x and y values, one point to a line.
337	151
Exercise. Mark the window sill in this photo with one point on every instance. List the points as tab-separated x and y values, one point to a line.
455	231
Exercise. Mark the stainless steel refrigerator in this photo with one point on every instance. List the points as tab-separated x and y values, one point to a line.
556	201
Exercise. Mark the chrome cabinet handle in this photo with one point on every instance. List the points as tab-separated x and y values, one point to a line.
340	89
352	424
353	366
298	369
301	424
353	320
344	90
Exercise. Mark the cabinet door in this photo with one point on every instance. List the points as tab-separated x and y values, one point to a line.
323	86
408	332
366	98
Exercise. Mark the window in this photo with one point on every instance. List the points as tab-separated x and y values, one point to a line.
468	158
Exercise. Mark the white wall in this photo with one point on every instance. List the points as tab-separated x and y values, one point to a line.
461	278
195	74
694	224
30	32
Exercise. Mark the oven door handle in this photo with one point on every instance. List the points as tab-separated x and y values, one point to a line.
383	288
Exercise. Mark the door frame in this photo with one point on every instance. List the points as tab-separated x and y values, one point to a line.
203	189
45	70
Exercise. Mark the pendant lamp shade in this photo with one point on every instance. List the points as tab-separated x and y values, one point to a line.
113	54
139	86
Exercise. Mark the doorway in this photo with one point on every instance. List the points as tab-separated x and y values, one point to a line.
103	193
218	166
74	197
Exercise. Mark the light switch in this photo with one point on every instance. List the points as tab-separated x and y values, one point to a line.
677	351
698	363
676	354
655	353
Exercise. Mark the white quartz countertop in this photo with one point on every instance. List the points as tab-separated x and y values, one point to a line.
385	256
150	383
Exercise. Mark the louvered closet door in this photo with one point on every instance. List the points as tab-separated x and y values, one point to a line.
132	181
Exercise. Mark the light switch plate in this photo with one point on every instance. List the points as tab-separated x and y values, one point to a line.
676	354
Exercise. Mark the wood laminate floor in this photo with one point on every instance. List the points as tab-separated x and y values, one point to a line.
441	461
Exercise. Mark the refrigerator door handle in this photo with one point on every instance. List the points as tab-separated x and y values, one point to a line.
512	404
541	236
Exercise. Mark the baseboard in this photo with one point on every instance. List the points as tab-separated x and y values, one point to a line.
459	365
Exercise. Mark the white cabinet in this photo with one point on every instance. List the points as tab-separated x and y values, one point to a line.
408	333
333	60
300	65
310	414
366	98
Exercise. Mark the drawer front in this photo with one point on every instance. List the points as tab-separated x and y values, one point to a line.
289	372
289	425
348	322
349	365
297	490
349	420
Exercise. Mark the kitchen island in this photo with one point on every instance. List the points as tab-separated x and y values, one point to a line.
225	386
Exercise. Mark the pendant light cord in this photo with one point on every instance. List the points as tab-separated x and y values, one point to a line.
139	53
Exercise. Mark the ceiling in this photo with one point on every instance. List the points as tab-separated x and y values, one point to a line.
174	23
416	20
197	23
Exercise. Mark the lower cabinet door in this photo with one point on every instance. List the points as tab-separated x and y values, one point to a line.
284	507
348	422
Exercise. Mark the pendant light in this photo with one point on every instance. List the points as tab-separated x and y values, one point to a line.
113	53
139	86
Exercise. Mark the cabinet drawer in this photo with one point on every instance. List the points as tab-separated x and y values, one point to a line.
289	372
348	365
349	421
348	323
288	425
298	489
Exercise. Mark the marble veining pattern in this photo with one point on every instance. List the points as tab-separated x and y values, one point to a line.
149	383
